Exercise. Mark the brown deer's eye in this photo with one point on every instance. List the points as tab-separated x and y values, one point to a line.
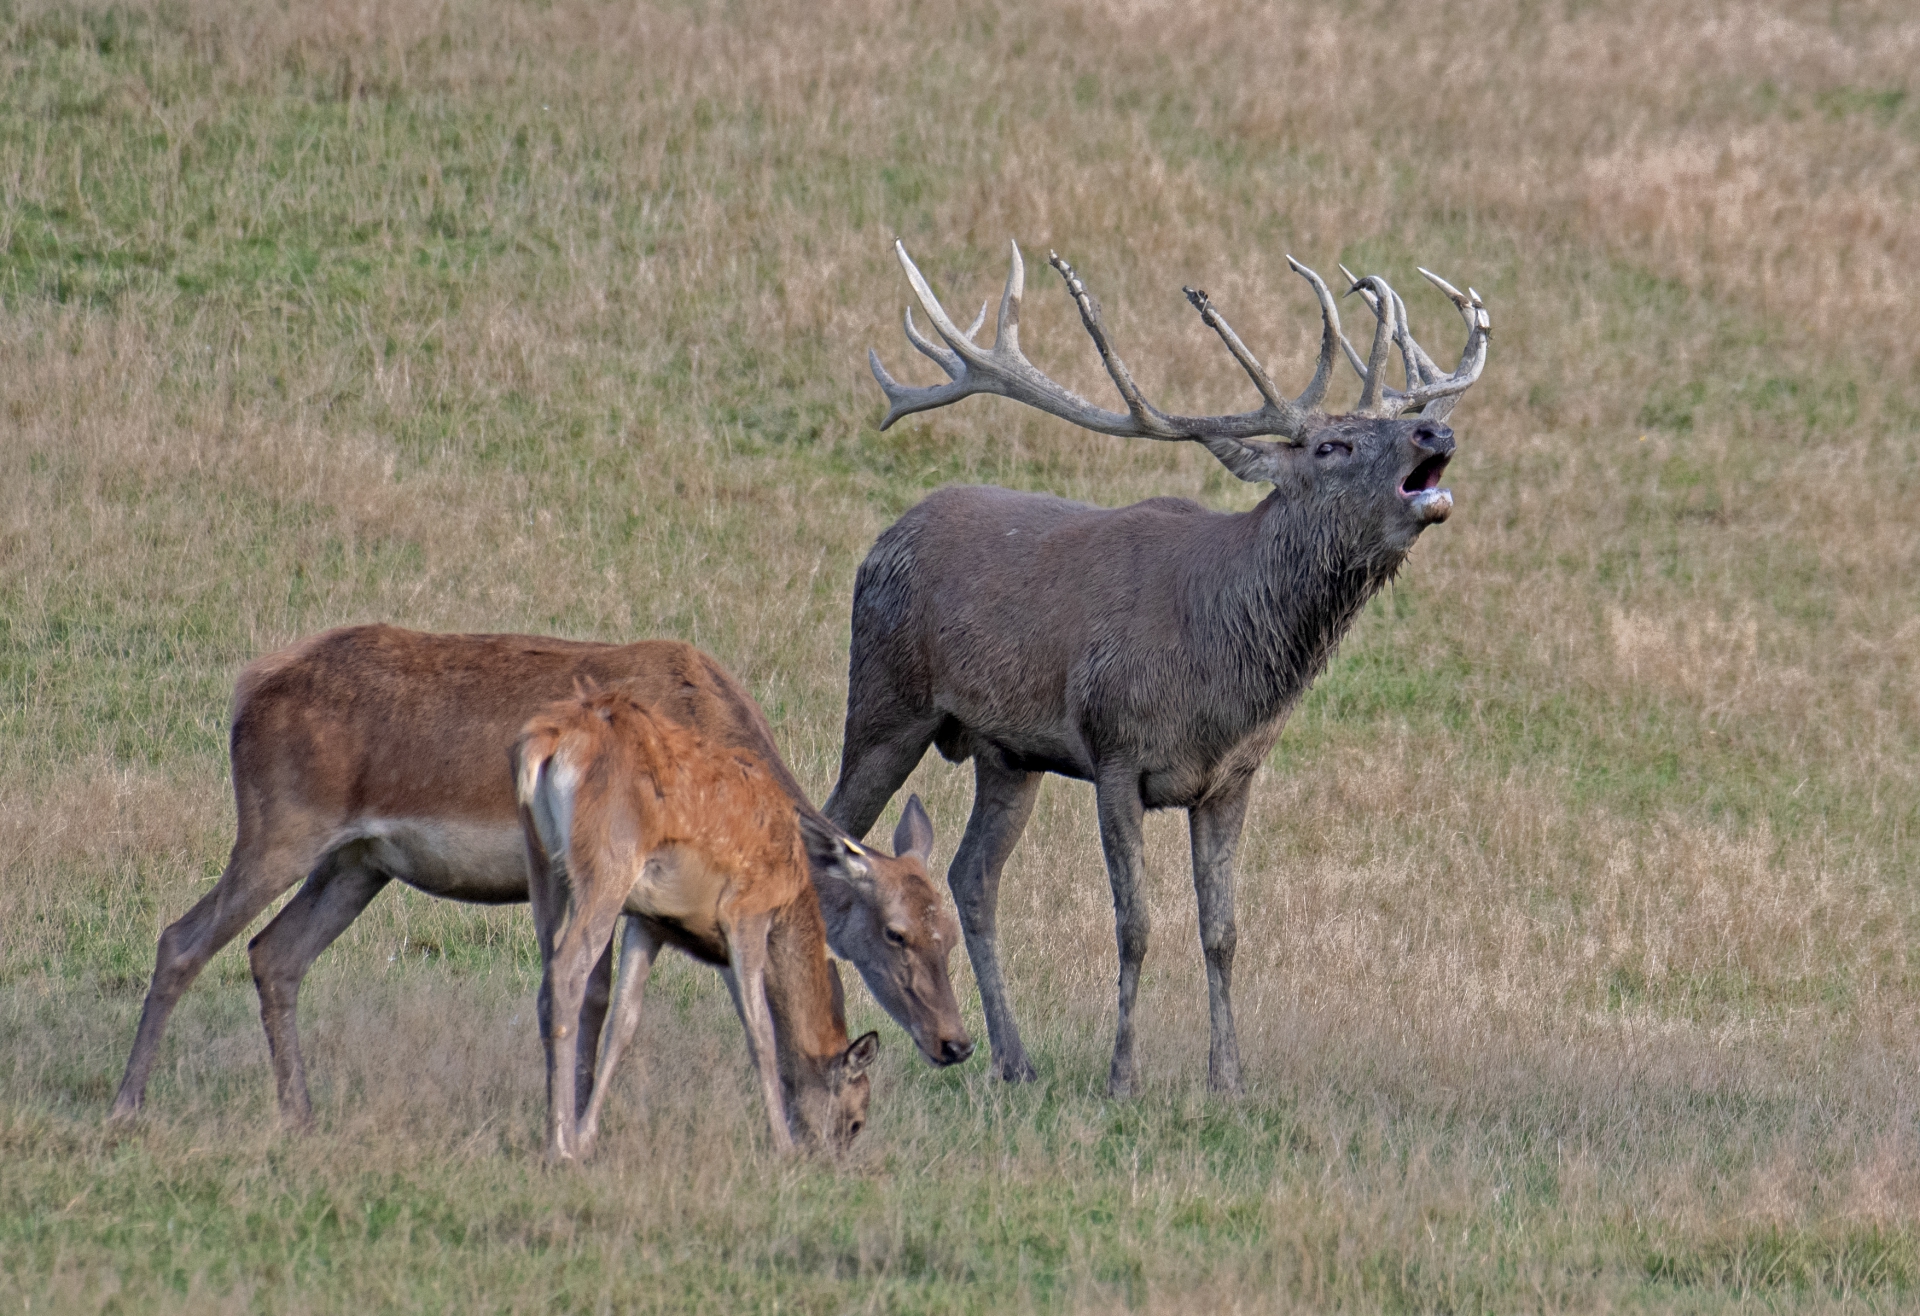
895	937
1332	446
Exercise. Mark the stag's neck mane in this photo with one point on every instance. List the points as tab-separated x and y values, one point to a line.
1289	588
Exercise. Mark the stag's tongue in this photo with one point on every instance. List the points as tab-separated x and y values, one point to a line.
1431	505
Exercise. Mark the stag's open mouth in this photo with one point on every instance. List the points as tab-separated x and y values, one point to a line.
1428	502
1423	477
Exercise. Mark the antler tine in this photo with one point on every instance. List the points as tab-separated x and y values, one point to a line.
1144	414
927	347
1248	362
1330	339
1373	388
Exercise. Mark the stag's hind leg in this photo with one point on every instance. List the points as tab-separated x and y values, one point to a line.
1002	803
1121	811
335	894
256	873
1215	828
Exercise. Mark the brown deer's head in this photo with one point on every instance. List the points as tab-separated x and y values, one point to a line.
885	916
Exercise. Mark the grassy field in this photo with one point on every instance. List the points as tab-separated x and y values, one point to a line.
1578	903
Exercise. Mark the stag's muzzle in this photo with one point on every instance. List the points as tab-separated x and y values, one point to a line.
1430	506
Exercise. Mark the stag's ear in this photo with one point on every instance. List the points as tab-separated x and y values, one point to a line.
1252	460
855	1060
832	852
914	835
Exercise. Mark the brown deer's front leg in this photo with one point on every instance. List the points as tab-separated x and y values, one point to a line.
1003	800
1118	796
1215	827
746	976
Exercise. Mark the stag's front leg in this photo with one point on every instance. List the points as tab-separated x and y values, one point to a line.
1002	802
1120	814
1215	829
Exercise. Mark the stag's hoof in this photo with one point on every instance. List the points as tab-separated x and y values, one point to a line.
1015	1069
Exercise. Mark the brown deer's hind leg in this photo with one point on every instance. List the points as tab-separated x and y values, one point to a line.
255	874
335	894
1003	800
1120	814
1215	828
638	946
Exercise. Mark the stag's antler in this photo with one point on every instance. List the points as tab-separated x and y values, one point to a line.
1427	389
1004	370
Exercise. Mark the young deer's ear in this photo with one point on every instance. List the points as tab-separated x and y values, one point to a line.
914	835
856	1058
832	852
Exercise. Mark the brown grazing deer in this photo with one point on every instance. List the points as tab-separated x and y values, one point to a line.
370	753
625	812
1153	650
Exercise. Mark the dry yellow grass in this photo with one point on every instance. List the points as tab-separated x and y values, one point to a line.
1575	964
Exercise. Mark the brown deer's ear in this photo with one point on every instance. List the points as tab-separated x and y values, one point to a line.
856	1058
914	835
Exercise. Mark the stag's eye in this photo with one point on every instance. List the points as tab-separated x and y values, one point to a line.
895	937
853	1129
1331	446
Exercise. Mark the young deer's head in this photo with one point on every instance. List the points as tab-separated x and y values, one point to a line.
827	1098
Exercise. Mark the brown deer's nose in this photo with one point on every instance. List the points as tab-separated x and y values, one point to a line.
1432	436
952	1052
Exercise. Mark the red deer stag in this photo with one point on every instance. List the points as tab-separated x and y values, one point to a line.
370	753
1153	650
624	812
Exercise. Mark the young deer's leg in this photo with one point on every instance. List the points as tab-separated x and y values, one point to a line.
1215	828
573	917
256	873
1120	813
580	941
747	942
1003	800
638	947
334	895
593	1018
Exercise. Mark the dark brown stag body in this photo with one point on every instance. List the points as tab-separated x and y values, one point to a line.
1153	650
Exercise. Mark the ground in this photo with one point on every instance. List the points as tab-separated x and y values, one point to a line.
1576	965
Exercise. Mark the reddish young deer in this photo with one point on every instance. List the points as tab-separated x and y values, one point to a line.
1153	650
625	812
371	753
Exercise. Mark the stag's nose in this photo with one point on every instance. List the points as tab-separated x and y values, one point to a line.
1432	436
953	1051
